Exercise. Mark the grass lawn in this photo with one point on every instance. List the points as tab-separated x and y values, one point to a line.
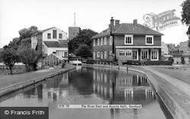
178	72
16	70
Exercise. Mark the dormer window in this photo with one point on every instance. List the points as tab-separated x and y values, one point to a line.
49	35
128	40
54	34
149	40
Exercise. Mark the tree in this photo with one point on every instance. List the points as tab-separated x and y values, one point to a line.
84	51
15	43
28	32
29	56
186	16
9	57
84	37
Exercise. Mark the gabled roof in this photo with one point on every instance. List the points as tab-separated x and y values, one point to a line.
126	28
56	44
41	31
129	28
103	33
47	29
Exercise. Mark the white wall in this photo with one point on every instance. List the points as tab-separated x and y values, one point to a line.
59	52
59	31
34	42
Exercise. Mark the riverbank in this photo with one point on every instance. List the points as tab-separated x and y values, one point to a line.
10	83
173	92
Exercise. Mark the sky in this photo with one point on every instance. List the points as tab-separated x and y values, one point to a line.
91	14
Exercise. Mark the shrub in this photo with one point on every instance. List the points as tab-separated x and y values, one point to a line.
131	62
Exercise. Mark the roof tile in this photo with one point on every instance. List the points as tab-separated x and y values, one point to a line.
129	28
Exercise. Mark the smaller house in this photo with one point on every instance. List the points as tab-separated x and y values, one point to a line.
180	53
51	41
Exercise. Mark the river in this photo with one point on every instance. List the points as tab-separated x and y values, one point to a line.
92	86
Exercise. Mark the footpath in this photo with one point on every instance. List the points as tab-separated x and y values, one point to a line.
10	83
174	92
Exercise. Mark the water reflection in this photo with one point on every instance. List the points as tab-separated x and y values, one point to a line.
87	86
122	88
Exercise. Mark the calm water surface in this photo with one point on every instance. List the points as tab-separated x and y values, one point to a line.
92	86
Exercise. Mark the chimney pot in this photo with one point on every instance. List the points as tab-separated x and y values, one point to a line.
111	24
117	23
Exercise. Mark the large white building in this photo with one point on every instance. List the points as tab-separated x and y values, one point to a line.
53	41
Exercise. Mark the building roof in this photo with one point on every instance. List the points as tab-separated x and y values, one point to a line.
103	33
41	31
135	29
47	29
129	28
56	44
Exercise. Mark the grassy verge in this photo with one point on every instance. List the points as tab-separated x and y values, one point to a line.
179	72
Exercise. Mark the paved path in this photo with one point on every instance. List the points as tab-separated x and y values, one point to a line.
177	90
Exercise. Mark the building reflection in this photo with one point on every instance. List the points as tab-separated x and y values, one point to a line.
55	86
121	87
51	89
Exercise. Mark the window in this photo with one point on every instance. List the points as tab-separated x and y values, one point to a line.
128	53
102	41
94	42
102	55
65	54
154	54
128	40
54	34
111	40
98	54
105	41
49	35
135	54
105	54
149	40
144	54
98	43
60	36
121	53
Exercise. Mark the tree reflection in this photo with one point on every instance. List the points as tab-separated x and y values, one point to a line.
82	80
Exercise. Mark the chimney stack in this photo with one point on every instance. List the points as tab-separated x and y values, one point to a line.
117	23
111	25
135	21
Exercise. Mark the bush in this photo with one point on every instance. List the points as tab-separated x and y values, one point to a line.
182	60
131	62
158	63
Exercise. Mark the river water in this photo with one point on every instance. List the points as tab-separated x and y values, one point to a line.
92	86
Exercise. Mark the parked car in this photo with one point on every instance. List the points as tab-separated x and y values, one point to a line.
76	62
